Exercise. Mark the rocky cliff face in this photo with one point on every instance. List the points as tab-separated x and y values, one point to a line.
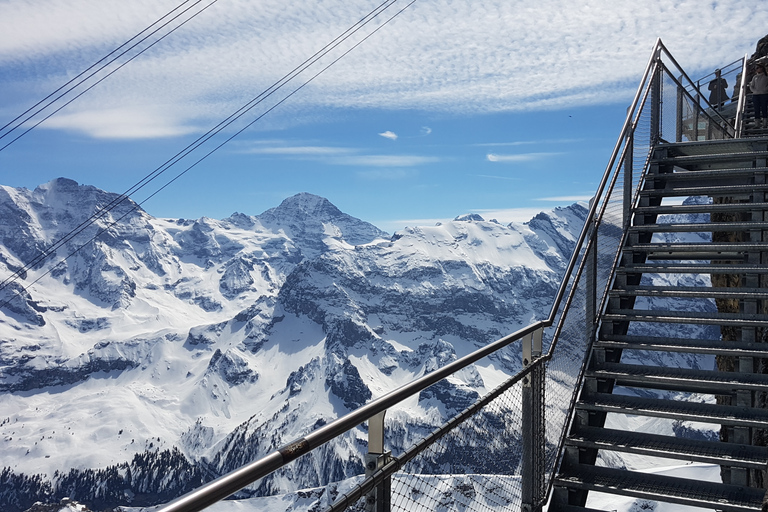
195	346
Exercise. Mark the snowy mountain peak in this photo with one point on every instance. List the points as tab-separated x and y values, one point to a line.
307	216
469	217
309	205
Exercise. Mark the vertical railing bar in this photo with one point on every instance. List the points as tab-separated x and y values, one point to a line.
742	105
532	464
679	116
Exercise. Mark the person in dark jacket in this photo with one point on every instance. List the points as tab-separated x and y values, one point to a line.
718	90
759	87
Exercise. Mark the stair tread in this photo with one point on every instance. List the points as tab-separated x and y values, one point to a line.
699	227
662	488
692	292
687	317
679	377
685	174
699	208
683	268
698	246
724	190
656	407
708	157
670	447
706	147
669	344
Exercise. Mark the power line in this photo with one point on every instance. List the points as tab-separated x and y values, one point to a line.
204	138
94	69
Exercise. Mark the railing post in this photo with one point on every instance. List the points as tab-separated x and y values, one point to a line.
591	283
532	474
378	500
679	119
629	149
656	102
741	105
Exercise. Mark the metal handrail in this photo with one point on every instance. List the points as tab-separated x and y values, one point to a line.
232	482
393	465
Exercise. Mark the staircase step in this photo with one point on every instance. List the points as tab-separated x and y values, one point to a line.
714	347
683	268
726	190
729	174
681	209
687	317
709	159
700	251
664	488
679	379
709	147
677	410
655	445
698	227
691	292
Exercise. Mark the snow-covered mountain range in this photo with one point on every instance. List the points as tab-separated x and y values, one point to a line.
173	348
166	352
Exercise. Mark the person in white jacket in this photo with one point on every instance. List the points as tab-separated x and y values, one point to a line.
759	87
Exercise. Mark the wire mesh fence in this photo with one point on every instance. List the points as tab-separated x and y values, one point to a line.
483	455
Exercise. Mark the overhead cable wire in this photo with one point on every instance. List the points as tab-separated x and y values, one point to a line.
80	79
202	139
228	121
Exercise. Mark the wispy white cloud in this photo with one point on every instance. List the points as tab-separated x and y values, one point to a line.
528	142
120	123
389	135
425	130
521	157
386	160
486	57
301	150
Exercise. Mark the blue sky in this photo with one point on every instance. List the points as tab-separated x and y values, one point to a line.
500	108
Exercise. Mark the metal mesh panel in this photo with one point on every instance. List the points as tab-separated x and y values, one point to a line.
577	326
686	116
474	468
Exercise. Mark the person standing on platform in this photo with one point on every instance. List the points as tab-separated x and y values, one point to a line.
718	90
759	87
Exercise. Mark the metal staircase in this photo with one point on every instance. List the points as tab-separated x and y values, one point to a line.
734	174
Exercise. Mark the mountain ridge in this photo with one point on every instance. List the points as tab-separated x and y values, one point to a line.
147	342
